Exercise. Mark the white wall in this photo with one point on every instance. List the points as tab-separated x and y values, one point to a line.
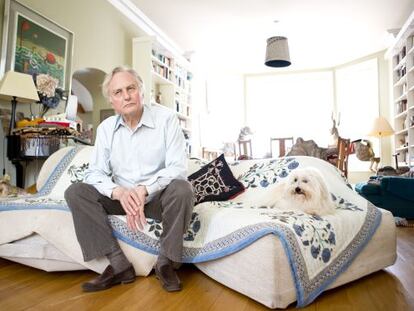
102	35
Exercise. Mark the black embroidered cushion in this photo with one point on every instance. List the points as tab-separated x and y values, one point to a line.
215	182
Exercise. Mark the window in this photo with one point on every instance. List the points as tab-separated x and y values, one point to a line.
285	105
295	104
357	102
223	115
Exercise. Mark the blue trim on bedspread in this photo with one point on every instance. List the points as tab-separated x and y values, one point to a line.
19	207
58	171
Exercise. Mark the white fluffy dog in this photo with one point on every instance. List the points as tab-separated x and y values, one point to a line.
304	190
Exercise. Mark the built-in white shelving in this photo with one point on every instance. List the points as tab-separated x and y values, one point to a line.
167	78
402	53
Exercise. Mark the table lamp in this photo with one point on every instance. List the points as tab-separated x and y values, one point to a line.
17	87
380	128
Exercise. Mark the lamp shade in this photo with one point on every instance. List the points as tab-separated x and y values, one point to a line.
381	128
19	85
277	52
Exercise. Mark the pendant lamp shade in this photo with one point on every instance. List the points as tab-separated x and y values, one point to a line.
277	52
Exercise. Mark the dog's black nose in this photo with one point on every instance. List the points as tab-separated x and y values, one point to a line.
298	190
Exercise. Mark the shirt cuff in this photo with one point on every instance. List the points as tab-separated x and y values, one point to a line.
153	188
107	190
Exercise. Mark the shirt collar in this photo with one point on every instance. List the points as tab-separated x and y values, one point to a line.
147	119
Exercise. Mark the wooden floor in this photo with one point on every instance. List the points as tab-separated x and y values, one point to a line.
25	288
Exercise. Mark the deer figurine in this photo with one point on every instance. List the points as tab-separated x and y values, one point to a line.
334	130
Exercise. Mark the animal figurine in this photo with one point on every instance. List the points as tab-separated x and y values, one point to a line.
365	152
245	133
308	148
7	190
334	130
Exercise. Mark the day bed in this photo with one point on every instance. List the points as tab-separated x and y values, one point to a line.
273	257
393	193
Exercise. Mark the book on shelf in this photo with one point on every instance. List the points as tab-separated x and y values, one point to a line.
402	106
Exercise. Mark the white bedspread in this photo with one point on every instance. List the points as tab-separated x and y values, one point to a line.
319	249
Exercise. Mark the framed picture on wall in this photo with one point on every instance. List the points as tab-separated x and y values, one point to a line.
33	43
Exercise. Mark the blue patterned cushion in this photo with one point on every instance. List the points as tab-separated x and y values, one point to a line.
215	182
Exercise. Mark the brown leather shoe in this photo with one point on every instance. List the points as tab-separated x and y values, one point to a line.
108	279
168	277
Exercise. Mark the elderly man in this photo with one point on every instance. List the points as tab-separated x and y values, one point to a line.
137	169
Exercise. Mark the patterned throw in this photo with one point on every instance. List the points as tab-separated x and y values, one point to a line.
318	248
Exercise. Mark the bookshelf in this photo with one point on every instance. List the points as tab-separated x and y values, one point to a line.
167	79
402	54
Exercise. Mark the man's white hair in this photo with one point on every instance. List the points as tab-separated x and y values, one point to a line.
109	76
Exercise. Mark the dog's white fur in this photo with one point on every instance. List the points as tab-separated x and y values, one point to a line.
303	190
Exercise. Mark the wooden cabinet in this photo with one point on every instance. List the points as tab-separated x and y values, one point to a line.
402	53
167	79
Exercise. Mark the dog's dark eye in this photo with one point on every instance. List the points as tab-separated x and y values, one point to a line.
295	180
305	181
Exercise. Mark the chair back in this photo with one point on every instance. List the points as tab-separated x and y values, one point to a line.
344	146
209	154
284	145
245	149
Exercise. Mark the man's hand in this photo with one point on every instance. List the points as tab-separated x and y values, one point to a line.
132	222
132	201
128	199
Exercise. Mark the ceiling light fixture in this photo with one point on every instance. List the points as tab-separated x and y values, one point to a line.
277	51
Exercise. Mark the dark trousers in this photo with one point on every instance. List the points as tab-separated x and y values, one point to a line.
90	209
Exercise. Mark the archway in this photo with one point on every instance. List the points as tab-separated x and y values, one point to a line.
86	85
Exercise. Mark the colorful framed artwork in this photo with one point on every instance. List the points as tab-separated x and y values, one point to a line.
34	44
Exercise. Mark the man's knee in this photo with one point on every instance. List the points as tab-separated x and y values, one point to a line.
181	189
71	191
75	191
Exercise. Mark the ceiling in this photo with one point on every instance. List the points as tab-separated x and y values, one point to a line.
230	35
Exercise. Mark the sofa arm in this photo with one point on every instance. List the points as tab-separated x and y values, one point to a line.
368	188
49	166
402	187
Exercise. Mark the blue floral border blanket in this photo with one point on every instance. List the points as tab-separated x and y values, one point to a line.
318	248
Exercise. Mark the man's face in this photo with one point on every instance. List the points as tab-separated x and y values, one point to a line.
124	94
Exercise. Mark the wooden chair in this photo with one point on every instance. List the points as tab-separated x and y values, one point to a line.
209	154
282	145
229	150
344	146
245	149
